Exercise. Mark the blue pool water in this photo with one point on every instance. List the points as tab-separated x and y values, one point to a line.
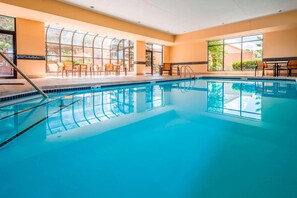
199	138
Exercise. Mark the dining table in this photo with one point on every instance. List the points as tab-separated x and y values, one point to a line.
277	66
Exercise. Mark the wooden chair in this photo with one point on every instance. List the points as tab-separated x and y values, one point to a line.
68	67
60	68
109	68
99	69
166	67
262	66
292	64
83	68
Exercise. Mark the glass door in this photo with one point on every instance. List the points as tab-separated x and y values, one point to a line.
149	62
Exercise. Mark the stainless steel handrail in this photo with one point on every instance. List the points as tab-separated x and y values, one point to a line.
186	69
24	75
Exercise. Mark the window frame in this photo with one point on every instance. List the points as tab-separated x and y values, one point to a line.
223	44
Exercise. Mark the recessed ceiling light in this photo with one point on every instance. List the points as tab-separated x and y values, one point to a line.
280	11
92	7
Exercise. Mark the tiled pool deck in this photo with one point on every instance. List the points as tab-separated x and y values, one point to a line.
9	88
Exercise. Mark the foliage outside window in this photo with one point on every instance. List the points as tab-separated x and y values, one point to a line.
80	47
157	53
235	54
7	35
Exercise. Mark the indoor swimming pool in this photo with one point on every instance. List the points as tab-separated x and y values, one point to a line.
206	138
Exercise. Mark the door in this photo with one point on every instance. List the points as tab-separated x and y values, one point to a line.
7	47
149	62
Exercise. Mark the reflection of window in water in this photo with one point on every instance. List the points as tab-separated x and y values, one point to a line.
154	97
88	108
238	99
74	111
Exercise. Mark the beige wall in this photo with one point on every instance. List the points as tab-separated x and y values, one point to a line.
279	31
139	56
30	41
280	44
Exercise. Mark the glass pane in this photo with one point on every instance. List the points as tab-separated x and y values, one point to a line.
53	35
157	59
53	49
88	60
6	23
232	57
78	51
114	55
106	53
253	38
114	44
158	48
66	59
66	50
149	46
52	58
78	38
97	62
233	40
97	53
66	37
215	58
77	60
218	42
107	43
6	69
88	52
121	45
251	53
89	40
98	42
105	61
231	100
6	43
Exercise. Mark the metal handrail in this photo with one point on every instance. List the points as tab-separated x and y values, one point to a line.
186	69
24	75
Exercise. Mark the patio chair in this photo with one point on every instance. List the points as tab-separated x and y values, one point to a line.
262	66
60	68
166	67
83	68
68	67
292	64
109	68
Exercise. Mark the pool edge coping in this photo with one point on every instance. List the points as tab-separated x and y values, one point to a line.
78	87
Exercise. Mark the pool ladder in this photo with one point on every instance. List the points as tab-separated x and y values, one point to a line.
186	71
24	75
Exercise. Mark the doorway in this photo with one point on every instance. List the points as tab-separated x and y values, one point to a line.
149	62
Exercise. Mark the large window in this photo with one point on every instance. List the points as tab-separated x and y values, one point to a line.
235	54
7	45
81	47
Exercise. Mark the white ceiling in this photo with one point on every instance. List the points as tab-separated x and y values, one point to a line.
180	16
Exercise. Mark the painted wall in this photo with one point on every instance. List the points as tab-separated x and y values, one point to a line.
139	57
280	44
279	41
30	41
